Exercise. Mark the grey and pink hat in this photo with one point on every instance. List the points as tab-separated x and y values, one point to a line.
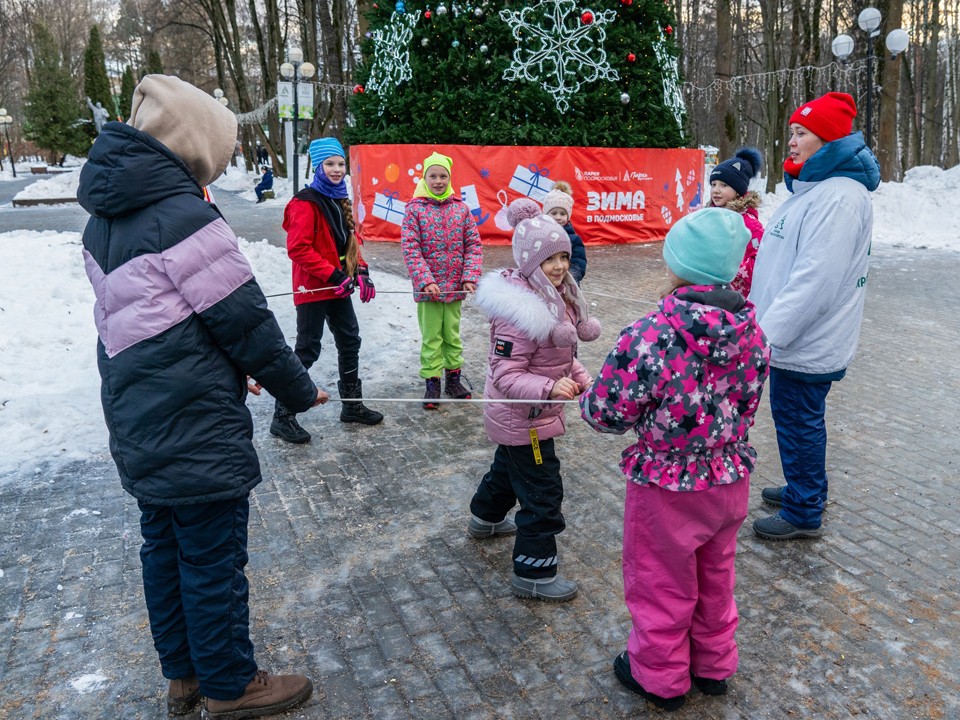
537	237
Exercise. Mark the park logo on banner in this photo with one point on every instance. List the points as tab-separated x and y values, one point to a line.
304	100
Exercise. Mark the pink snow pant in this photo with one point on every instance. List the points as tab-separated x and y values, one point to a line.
678	577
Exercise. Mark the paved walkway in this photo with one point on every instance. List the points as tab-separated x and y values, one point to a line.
363	575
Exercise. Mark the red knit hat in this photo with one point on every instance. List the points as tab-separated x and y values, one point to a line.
829	117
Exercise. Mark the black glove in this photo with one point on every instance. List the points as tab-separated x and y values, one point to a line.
343	283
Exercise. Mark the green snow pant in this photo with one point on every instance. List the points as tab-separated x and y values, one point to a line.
441	348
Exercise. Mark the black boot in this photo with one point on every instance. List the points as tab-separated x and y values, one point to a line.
454	388
356	411
286	427
432	394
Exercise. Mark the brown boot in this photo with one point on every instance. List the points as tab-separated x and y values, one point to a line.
265	695
183	695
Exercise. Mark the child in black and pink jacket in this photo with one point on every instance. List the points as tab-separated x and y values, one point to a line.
730	189
687	379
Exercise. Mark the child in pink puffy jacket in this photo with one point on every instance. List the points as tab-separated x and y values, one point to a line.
442	251
687	379
536	314
730	189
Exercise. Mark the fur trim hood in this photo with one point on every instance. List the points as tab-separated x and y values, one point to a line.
751	199
506	295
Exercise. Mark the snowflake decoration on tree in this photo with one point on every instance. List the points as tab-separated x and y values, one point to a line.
672	95
391	54
561	55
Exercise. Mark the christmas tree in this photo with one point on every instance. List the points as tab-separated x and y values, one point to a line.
600	73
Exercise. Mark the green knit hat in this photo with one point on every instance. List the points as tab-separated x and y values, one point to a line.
706	248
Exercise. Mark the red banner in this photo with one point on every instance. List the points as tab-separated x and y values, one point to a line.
621	195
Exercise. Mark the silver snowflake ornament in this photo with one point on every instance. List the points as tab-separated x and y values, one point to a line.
557	50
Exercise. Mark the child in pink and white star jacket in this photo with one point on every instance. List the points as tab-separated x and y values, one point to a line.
687	379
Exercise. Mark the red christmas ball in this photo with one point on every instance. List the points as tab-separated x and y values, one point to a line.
631	57
669	29
357	89
428	15
587	18
628	3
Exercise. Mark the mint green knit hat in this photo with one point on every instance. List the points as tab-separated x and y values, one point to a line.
706	247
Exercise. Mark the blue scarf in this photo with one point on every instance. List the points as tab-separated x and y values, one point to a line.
321	183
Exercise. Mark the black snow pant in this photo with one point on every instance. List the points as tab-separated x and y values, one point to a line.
342	319
514	477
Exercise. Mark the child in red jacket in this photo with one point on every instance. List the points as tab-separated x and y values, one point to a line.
327	266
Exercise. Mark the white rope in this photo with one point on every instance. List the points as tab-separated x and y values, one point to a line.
475	401
445	292
379	292
618	297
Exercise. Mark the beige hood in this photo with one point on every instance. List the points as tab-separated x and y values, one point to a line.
191	123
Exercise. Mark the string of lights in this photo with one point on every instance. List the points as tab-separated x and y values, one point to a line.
761	83
259	115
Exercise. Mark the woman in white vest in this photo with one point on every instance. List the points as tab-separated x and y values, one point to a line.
809	286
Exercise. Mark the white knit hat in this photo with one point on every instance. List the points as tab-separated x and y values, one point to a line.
558	197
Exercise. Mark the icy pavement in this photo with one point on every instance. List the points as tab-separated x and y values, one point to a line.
362	573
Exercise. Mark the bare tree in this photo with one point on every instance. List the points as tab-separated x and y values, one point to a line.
726	120
886	147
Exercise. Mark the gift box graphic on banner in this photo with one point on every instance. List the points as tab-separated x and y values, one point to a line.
387	206
532	181
468	193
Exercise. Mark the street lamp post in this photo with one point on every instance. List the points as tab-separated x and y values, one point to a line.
842	46
7	121
296	71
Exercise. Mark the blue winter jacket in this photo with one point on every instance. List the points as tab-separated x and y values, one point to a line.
266	182
578	254
181	323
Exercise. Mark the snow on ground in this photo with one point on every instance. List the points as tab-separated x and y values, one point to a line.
50	409
238	180
61	186
23	170
49	385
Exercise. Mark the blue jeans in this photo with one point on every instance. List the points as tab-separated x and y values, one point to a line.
196	592
798	410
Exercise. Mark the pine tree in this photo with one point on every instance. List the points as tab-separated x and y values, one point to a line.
96	84
53	116
543	72
154	66
127	86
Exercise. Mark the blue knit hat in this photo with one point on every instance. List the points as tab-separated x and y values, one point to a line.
322	148
706	248
738	171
